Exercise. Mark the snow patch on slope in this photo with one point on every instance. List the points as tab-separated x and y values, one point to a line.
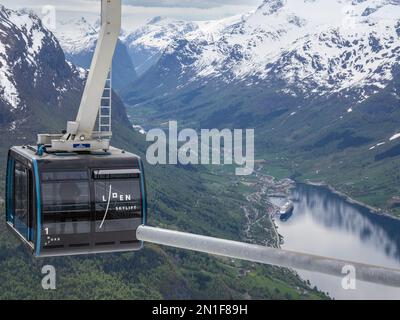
329	46
77	35
8	90
377	145
158	33
30	27
395	137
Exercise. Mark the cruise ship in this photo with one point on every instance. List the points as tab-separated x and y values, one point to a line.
286	211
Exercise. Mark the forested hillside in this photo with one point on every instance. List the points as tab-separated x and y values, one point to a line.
43	98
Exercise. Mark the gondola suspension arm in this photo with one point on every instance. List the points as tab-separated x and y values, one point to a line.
80	135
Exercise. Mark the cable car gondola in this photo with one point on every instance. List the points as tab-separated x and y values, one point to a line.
72	193
66	204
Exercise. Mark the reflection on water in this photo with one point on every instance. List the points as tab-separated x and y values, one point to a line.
325	224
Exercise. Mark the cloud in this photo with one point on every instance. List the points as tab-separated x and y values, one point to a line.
200	4
92	5
138	12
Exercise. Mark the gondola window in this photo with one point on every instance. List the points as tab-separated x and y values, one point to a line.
66	202
21	218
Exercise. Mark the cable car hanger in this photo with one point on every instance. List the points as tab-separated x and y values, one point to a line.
74	194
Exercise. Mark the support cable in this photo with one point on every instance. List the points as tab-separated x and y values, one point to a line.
270	256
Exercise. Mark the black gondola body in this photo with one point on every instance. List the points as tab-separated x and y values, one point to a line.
69	204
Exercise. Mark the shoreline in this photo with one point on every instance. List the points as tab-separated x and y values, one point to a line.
278	236
344	196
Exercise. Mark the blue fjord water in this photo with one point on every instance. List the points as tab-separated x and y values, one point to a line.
324	223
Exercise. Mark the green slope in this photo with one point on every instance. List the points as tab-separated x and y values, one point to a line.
188	200
307	137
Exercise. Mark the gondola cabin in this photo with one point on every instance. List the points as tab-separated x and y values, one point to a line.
69	204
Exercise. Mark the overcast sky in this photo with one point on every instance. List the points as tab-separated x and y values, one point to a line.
137	12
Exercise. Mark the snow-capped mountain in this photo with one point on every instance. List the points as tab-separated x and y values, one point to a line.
313	46
147	43
33	69
308	74
39	89
77	35
78	38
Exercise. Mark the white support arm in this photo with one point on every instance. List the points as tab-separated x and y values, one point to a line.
100	67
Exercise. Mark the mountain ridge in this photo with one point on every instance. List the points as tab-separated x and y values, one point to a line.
78	38
147	43
283	43
318	82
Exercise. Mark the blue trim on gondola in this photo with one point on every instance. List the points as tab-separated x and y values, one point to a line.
41	150
10	187
38	208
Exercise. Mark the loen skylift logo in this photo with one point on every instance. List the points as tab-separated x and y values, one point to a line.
117	202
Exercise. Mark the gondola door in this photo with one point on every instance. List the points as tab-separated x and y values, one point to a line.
118	207
66	217
20	199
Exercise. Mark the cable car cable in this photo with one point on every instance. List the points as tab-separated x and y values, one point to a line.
267	255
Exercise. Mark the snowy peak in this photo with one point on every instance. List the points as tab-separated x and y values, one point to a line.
31	61
315	46
147	43
271	6
78	38
320	12
77	35
24	30
24	24
159	32
156	20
